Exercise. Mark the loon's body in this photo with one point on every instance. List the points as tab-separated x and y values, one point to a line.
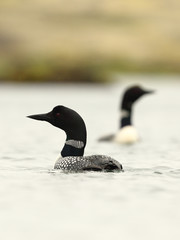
72	158
127	133
90	163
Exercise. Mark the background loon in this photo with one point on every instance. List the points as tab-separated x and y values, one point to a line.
72	153
127	133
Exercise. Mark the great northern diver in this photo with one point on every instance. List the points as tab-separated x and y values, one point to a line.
127	133
72	158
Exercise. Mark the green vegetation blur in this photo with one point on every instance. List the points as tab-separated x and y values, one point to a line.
87	40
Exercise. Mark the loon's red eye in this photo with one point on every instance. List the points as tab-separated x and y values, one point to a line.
57	114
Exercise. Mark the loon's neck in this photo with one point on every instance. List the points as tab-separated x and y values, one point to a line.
75	142
73	148
126	114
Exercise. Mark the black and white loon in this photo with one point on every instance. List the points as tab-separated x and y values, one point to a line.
72	158
127	133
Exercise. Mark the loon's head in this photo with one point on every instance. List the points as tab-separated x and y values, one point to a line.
131	95
65	119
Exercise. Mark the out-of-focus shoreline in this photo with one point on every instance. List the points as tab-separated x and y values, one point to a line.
52	41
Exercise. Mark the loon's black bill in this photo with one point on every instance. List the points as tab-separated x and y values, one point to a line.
41	117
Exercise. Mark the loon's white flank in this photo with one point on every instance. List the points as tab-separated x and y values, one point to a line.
127	134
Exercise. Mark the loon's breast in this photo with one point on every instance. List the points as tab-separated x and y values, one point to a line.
91	163
127	134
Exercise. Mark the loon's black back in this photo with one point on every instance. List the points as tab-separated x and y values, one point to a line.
88	163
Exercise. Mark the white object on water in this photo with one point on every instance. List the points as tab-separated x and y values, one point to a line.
127	134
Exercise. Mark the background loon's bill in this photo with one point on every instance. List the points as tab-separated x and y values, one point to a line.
72	153
127	133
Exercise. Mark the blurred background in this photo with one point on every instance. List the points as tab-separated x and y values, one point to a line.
87	40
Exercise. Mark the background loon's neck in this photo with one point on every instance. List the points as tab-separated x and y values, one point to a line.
125	119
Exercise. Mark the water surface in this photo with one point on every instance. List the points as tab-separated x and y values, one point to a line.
39	203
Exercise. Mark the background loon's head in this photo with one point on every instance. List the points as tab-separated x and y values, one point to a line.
65	119
131	95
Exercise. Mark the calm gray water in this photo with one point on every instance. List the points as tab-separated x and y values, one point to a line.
37	202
